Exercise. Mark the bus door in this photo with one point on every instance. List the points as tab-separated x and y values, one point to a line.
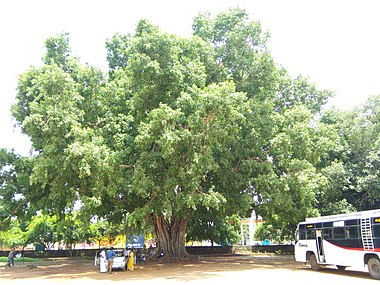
321	254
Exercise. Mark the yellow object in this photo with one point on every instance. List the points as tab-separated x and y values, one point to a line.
131	261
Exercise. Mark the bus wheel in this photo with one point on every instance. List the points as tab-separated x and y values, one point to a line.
374	268
341	267
314	263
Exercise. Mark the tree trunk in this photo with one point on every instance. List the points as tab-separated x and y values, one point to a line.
171	238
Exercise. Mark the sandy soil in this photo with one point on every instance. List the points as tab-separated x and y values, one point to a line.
205	270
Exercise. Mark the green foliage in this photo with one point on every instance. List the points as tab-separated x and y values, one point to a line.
299	91
289	191
57	50
177	148
358	154
211	225
16	192
73	229
13	237
42	231
240	51
268	231
177	127
7	188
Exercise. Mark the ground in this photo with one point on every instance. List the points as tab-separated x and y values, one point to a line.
209	270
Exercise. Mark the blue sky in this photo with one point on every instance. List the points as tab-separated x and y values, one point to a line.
335	43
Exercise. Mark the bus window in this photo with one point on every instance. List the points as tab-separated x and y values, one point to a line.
327	233
306	234
352	232
352	222
376	231
310	234
338	233
301	234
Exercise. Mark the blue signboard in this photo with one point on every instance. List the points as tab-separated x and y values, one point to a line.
135	241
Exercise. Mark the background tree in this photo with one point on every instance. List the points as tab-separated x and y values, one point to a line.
13	237
42	231
268	232
72	230
357	154
16	194
7	188
283	142
209	226
287	193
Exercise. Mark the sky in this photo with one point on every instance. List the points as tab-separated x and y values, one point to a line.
335	43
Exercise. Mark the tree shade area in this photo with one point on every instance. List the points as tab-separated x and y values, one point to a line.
182	136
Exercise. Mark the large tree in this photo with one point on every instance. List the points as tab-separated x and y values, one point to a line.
176	126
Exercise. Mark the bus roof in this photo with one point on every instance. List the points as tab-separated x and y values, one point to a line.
348	216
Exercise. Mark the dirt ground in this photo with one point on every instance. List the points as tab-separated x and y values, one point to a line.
206	270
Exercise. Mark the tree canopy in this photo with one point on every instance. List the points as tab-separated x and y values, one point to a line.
180	126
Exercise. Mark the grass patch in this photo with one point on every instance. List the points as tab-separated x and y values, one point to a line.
21	259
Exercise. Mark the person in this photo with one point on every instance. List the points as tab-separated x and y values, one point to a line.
102	261
140	256
126	252
151	250
110	255
131	261
11	258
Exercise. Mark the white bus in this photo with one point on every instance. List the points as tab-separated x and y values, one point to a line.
341	240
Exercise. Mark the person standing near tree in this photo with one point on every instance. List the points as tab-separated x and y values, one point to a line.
131	261
110	255
102	261
11	258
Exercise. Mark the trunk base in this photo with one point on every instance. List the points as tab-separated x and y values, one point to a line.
173	259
